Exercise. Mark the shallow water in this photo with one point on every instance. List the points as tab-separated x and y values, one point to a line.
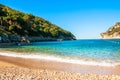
87	51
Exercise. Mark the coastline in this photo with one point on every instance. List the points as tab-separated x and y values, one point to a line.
56	68
58	59
50	62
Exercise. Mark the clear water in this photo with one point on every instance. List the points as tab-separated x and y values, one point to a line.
86	50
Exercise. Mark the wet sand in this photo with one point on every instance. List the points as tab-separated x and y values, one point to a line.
12	68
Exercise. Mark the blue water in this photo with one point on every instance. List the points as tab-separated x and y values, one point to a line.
88	50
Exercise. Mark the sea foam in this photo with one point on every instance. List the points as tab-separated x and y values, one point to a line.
59	59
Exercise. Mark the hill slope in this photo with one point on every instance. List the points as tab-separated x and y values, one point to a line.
15	24
112	32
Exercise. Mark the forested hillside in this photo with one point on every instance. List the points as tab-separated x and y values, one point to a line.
16	23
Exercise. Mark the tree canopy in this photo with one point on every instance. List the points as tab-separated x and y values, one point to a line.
22	24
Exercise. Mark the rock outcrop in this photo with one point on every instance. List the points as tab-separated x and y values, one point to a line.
112	33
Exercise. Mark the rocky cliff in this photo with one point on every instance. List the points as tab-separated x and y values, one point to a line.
112	33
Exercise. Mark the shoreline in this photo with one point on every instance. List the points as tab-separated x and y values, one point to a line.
59	59
14	68
48	63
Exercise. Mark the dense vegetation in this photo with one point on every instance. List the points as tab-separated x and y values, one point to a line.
13	22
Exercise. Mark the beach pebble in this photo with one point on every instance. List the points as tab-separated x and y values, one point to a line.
18	73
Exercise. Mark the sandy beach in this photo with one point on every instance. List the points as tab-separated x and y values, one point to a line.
17	68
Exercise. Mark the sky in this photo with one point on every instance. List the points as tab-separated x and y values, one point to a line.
86	19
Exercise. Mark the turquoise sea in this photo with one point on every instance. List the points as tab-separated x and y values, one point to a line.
88	51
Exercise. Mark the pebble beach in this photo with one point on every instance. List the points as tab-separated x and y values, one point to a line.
10	71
